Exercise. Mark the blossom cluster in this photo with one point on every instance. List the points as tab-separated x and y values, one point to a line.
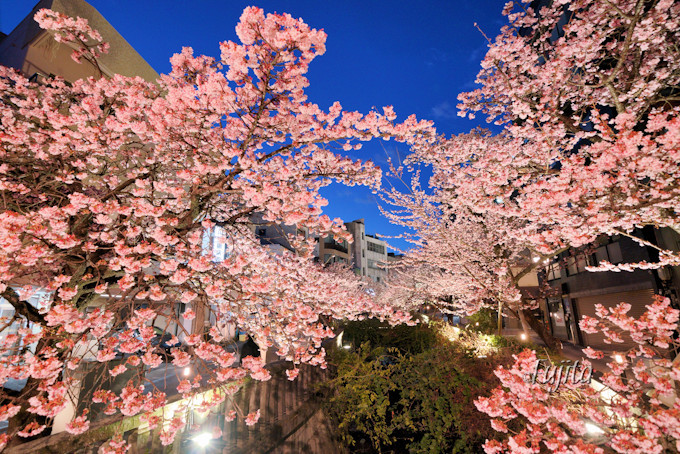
111	187
633	407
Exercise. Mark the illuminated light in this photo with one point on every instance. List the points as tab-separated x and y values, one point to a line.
523	336
346	346
203	439
536	259
476	323
187	371
618	358
593	429
338	340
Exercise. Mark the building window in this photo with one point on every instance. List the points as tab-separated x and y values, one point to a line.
581	263
554	271
572	268
219	244
591	260
214	242
374	247
601	254
611	253
614	252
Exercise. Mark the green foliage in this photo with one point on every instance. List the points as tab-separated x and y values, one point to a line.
408	399
484	321
406	339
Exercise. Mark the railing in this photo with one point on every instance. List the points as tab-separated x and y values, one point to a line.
335	246
286	407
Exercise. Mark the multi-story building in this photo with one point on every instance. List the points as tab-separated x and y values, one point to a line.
35	53
369	253
575	291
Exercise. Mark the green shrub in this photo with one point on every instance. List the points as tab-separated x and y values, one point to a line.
406	339
390	399
485	321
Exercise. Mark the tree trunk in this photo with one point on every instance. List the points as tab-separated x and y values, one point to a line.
538	327
23	417
500	318
523	322
198	325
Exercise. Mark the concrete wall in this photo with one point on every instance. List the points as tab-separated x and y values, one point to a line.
32	50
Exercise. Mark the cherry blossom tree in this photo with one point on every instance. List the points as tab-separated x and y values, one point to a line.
462	261
633	408
108	188
587	95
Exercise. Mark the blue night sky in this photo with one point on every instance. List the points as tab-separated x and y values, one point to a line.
416	56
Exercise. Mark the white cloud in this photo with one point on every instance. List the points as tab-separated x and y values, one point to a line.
444	110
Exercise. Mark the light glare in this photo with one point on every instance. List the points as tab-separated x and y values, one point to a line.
203	439
593	429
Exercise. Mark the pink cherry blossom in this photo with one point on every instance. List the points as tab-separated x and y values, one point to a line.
252	418
129	177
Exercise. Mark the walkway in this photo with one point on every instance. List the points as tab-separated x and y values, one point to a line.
569	351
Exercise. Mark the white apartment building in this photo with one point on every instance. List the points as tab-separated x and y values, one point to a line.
369	253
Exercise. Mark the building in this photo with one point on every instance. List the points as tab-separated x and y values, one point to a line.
34	52
369	253
575	291
275	236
